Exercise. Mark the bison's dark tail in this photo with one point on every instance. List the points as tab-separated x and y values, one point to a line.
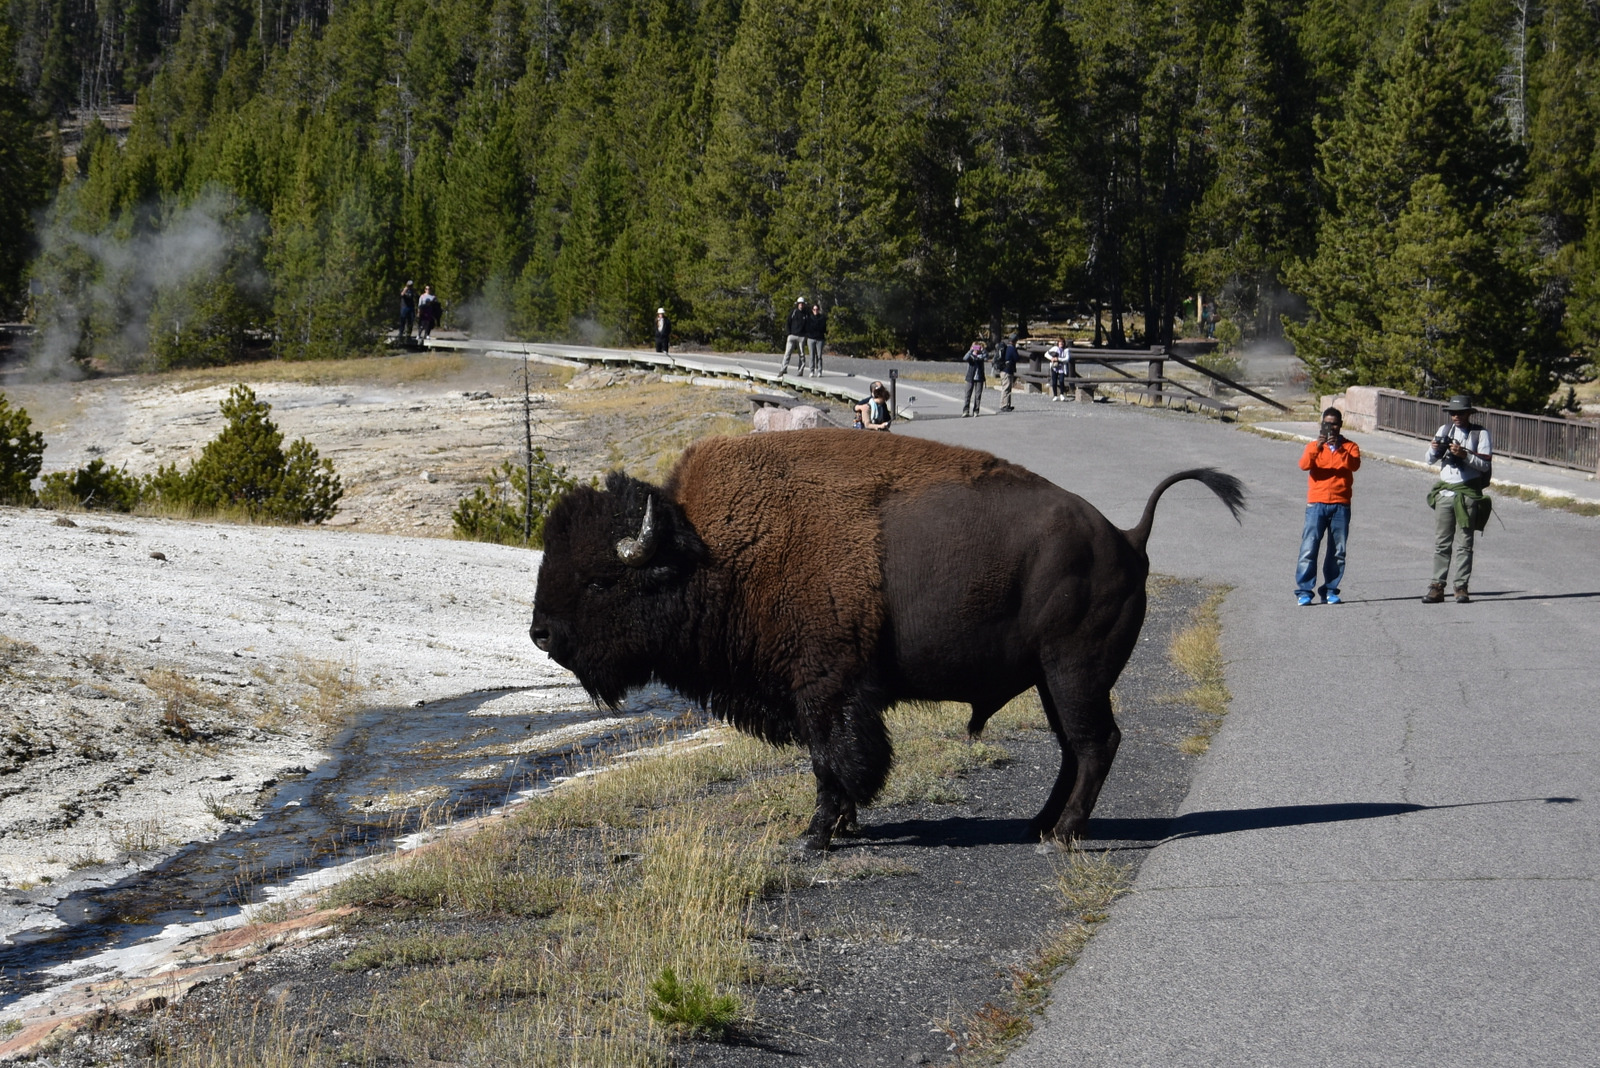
1230	489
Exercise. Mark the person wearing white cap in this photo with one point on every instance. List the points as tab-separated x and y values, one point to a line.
799	319
663	330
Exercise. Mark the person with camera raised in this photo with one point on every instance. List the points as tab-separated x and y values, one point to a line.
1330	463
1466	459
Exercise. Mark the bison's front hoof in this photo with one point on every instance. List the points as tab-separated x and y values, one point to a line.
819	843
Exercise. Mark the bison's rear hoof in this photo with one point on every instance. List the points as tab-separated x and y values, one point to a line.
1063	833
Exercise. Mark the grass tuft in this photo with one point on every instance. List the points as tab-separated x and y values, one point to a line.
1088	883
1197	652
335	689
691	1007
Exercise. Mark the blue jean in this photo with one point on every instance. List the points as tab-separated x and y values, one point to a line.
1334	521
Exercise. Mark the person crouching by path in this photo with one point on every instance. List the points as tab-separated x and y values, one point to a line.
816	333
1463	450
799	319
1330	463
873	413
974	359
1005	363
663	330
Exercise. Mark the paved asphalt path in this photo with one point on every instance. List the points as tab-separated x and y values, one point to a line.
1390	855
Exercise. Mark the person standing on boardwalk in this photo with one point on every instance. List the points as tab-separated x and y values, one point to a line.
1005	365
974	359
408	310
1466	459
816	332
1330	463
428	312
799	319
663	330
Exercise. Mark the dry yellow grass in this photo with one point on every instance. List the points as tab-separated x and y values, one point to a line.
421	367
647	425
335	688
1197	652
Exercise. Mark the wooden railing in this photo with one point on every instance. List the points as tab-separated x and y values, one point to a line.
1541	438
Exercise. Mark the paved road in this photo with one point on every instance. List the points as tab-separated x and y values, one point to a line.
1397	831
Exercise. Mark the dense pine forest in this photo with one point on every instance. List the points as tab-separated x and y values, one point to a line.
1408	189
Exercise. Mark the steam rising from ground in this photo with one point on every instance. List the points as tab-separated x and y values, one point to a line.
99	289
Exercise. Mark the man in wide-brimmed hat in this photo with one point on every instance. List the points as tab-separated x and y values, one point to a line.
1460	507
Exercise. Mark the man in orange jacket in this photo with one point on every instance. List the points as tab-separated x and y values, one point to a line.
1331	463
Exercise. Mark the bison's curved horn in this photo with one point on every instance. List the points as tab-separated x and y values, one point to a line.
636	552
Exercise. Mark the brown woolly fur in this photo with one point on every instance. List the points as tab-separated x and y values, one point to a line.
799	584
798	518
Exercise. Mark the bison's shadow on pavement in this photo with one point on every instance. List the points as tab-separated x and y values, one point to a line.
973	831
1227	821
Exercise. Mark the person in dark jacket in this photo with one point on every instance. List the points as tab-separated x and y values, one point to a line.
1005	365
816	332
408	309
663	330
974	359
799	319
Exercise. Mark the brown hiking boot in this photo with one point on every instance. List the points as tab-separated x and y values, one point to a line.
1435	593
1461	595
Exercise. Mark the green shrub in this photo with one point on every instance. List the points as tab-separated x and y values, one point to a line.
21	454
245	469
95	486
495	512
691	1006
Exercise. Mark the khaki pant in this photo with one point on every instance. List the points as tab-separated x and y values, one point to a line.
1007	380
1445	533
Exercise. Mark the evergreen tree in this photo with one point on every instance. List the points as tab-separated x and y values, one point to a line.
27	176
755	133
830	223
1255	212
1434	295
1564	163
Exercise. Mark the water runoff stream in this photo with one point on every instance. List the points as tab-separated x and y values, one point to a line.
390	773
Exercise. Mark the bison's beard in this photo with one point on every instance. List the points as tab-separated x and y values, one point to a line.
608	681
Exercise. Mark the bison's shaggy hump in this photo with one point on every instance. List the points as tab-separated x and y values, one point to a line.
798	518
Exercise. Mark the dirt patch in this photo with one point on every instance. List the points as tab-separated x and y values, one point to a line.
408	435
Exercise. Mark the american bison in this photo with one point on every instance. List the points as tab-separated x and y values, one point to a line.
799	584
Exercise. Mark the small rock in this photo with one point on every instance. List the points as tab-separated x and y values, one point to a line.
158	555
93	693
63	521
427	476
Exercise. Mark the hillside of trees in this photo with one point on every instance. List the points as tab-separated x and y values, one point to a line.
1409	189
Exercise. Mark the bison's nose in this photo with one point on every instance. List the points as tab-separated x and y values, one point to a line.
540	636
